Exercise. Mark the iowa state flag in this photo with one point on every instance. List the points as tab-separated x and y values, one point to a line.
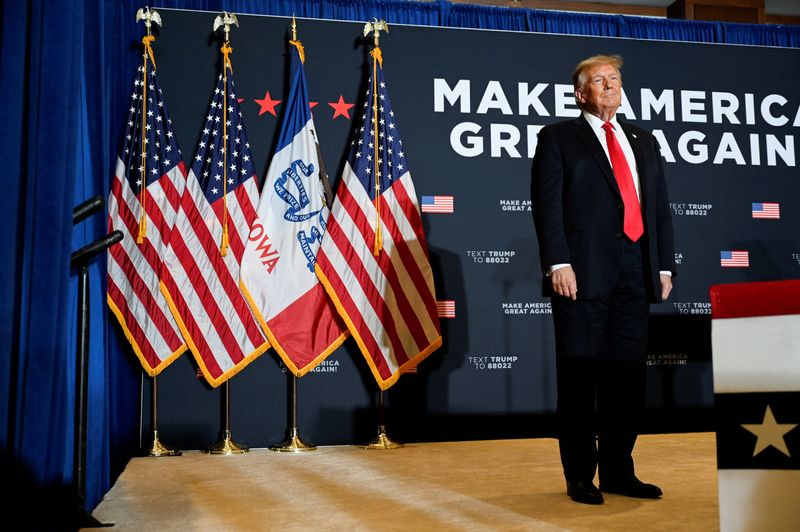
147	186
217	208
373	260
277	275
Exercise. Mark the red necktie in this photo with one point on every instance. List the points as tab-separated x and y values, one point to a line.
633	213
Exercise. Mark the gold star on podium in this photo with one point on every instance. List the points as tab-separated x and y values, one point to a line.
770	433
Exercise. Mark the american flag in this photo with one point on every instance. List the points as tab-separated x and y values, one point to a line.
149	186
216	211
277	274
767	210
437	204
734	259
446	308
378	273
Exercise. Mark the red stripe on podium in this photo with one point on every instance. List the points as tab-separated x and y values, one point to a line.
749	300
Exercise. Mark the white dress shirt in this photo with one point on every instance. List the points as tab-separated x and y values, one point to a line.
597	126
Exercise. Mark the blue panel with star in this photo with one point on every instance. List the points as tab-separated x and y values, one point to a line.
160	146
219	168
758	430
388	148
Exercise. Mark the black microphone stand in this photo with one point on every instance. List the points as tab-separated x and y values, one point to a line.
80	260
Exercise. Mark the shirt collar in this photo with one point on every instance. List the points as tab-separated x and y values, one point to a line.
597	123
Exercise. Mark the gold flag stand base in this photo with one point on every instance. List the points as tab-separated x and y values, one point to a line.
227	446
293	444
159	449
383	442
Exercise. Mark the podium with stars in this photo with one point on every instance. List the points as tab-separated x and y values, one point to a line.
756	364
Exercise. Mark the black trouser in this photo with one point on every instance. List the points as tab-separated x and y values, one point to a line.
600	364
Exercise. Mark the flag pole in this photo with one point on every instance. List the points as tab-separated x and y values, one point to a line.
225	20
294	443
157	448
376	26
226	445
382	442
150	17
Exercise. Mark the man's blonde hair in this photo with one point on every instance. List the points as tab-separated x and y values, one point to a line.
579	75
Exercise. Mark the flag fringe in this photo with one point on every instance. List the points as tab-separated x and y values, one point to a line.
275	344
151	371
383	384
213	381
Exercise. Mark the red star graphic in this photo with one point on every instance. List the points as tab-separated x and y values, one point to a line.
311	105
267	105
240	100
341	108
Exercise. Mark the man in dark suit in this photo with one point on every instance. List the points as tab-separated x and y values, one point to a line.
603	222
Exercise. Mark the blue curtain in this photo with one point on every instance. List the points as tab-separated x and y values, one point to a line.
41	148
64	81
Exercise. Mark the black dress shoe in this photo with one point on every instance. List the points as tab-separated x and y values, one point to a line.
584	491
631	487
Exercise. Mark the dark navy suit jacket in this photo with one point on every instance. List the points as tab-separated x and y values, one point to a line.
578	210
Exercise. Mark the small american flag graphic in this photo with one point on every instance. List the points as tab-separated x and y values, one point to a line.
767	210
446	308
437	204
734	259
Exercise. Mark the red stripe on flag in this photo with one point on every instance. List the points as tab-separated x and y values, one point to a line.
143	294
205	294
371	294
409	312
234	238
245	203
173	194
411	213
230	286
383	262
142	343
235	243
351	309
155	215
192	327
131	223
412	266
246	216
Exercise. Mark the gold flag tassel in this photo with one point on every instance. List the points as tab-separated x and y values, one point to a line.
377	59
226	50
146	41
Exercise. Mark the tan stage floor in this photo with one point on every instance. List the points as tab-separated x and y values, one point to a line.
482	485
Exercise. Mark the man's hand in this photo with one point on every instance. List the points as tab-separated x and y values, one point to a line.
666	286
564	283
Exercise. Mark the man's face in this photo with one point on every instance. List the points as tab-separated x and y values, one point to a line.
601	93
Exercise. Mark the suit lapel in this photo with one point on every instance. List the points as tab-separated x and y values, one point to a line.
589	139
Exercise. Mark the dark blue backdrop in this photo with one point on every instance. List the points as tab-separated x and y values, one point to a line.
64	82
463	107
